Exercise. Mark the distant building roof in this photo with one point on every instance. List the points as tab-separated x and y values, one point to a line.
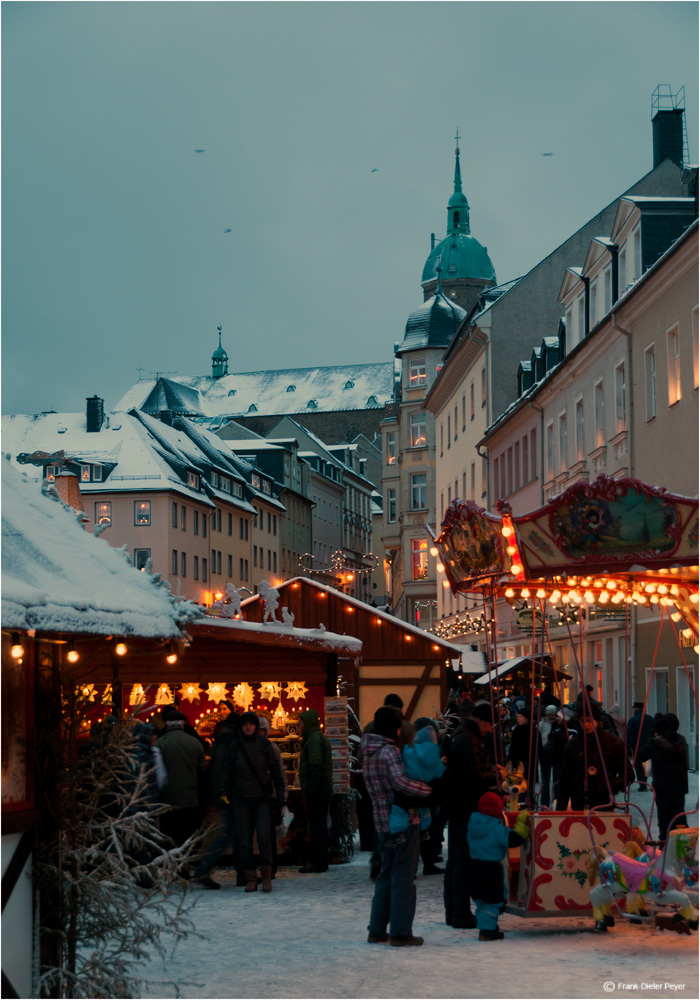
432	324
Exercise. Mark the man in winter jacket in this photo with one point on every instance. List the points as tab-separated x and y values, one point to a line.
394	902
470	773
585	773
251	776
316	781
226	834
668	754
183	756
640	722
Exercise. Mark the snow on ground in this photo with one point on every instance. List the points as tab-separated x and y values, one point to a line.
307	939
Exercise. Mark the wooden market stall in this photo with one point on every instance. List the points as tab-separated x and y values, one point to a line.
396	656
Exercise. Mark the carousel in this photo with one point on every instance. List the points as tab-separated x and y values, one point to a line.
614	543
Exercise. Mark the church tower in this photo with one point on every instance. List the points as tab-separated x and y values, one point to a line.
463	263
219	360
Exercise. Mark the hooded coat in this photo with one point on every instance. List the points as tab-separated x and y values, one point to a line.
580	755
250	769
316	760
669	763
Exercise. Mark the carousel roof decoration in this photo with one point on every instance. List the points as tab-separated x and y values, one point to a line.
611	541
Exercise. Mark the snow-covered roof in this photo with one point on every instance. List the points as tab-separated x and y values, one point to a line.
267	633
58	578
291	390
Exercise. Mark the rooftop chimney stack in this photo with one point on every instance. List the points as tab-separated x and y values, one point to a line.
95	413
668	125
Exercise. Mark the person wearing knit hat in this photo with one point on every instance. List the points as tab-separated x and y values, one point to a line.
595	766
668	754
489	839
470	773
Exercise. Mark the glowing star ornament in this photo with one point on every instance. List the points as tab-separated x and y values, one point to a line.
296	690
269	690
217	691
138	695
243	696
164	695
192	692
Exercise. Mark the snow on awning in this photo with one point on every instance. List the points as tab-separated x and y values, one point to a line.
519	662
58	578
473	662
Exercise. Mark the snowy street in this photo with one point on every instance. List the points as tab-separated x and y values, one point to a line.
308	939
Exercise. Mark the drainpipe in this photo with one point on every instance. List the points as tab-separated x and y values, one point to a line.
541	413
484	456
614	274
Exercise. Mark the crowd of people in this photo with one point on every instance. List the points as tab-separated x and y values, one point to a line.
574	757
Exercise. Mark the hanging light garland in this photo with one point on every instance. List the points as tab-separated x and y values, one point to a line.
343	572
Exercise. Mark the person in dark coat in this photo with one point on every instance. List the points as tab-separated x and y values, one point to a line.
559	735
470	773
250	777
640	720
583	778
226	834
668	754
185	763
526	749
316	781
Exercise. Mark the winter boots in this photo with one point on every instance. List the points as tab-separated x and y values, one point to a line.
251	881
266	872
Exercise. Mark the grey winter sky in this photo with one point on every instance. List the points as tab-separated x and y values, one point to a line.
327	131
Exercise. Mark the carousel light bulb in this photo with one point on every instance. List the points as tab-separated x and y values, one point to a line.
667	601
697	649
589	597
17	650
676	616
433	550
120	649
650	588
445	583
516	569
512	550
611	585
440	567
525	592
687	633
506	531
604	597
662	588
554	596
674	590
541	593
694	598
640	598
597	584
565	598
629	599
654	599
510	593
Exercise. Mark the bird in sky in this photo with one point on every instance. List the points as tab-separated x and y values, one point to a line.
228	230
200	150
374	170
547	154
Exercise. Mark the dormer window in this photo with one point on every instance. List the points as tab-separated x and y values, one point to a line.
312	404
215	479
291	388
225	484
349	385
51	472
266	486
237	489
232	392
255	480
193	480
85	473
252	408
372	401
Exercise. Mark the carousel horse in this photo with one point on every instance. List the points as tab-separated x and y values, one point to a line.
514	784
664	880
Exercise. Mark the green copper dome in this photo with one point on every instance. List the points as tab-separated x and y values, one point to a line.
459	255
219	360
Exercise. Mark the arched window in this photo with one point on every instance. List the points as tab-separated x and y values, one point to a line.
455	216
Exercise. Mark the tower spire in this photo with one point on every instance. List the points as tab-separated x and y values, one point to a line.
219	360
458	206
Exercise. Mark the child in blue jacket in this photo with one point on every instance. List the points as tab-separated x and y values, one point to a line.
422	762
489	839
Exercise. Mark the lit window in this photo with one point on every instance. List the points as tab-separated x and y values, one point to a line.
416	375
391	448
419	556
418	429
674	365
51	473
193	480
255	480
103	513
419	491
266	486
85	473
141	558
142	511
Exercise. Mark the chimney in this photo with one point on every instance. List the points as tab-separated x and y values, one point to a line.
68	489
95	413
668	125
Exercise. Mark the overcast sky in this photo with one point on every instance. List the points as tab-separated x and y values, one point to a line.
327	131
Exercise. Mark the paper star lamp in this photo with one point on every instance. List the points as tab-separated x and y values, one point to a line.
243	696
88	692
296	690
269	690
191	692
217	691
